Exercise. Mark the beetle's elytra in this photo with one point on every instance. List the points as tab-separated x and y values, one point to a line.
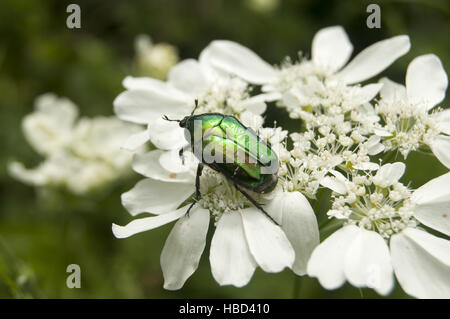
251	164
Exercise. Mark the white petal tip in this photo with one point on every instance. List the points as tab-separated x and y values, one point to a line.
118	231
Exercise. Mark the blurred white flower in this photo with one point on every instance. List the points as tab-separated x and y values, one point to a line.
244	237
263	6
382	234
154	60
405	110
79	155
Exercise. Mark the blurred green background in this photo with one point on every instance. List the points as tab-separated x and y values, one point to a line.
43	231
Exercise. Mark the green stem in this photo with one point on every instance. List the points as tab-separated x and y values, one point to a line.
297	287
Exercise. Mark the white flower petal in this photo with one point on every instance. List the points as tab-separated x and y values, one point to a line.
184	247
368	263
267	242
374	146
291	98
327	260
439	248
336	214
238	60
376	149
166	135
367	166
440	146
148	165
62	110
58	168
392	91
374	59
366	93
433	204
173	162
50	127
331	48
230	257
136	140
382	132
426	81
334	184
143	83
299	223
251	120
275	207
255	104
35	177
143	224
143	106
189	77
389	174
155	197
421	274
443	119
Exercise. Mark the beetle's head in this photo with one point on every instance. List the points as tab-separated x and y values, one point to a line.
183	122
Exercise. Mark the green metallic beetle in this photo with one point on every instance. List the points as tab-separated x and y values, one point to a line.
227	146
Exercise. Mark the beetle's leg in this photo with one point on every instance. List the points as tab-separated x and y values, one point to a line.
181	152
235	171
254	202
197	187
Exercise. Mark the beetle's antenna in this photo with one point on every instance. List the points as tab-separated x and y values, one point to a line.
167	119
196	105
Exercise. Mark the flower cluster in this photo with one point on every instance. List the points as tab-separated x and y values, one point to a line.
406	123
80	154
344	128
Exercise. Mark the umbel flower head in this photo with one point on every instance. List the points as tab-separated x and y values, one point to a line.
80	155
244	237
382	234
407	124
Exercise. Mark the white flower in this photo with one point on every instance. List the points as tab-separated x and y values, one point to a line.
404	110
331	49
79	155
382	235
